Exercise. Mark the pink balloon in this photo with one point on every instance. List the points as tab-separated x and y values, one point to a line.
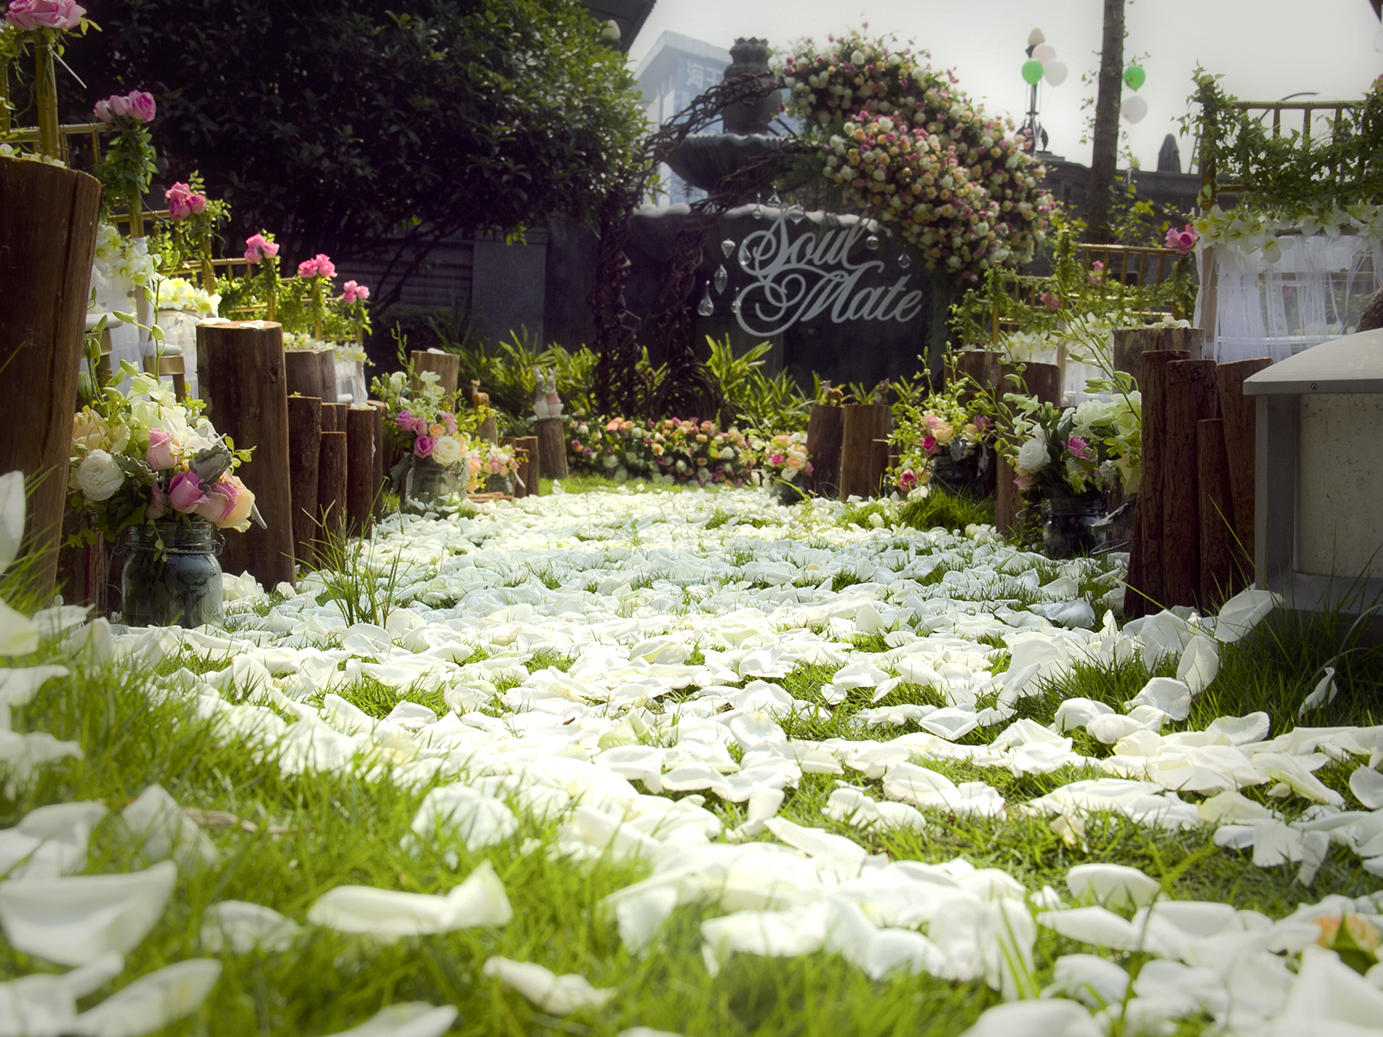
1043	52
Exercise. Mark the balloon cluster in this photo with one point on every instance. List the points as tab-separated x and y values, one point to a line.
1042	63
1134	107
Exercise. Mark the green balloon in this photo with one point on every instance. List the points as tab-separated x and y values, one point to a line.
1135	77
1032	71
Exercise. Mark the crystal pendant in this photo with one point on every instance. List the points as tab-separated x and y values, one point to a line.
796	213
726	247
758	207
775	201
735	306
872	243
706	307
904	260
722	278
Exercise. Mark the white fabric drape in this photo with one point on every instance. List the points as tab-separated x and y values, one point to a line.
1276	303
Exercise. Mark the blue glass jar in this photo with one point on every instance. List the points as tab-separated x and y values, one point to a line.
172	577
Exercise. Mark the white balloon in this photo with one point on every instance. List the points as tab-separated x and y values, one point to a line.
1044	52
1134	108
1055	72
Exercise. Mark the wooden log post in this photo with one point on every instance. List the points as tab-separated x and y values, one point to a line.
1131	343
240	372
861	424
552	448
382	460
488	429
447	366
311	372
331	487
1218	580
48	220
1145	588
878	462
304	450
1240	424
334	416
360	470
1191	397
824	428
526	451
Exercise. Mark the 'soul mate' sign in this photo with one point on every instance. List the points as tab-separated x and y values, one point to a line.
807	274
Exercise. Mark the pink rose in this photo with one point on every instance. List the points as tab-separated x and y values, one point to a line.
422	446
142	106
185	492
907	480
1079	447
101	109
197	203
179	201
226	504
160	456
1182	240
158	503
352	292
62	15
929	443
318	266
258	247
1023	482
119	106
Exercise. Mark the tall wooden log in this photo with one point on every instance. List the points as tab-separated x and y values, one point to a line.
311	372
1218	578
334	416
552	448
861	425
1239	413
824	426
526	450
878	462
304	448
1145	587
982	367
1191	397
360	470
48	220
1131	343
382	460
240	373
488	429
446	365
331	487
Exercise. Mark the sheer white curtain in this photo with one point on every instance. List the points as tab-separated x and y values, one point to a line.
1255	303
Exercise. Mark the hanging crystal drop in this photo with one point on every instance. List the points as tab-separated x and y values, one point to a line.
872	243
726	247
706	307
722	278
735	305
904	260
758	206
775	201
796	213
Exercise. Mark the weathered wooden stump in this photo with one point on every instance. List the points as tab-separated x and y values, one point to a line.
331	487
240	372
552	448
825	426
861	424
1131	343
311	372
1190	398
304	450
447	366
1240	427
47	240
360	470
526	450
1145	587
1218	577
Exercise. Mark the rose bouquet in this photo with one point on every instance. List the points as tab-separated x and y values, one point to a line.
421	421
141	458
783	458
937	430
1085	448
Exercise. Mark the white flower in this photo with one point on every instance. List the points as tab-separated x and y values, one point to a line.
446	450
99	476
1033	455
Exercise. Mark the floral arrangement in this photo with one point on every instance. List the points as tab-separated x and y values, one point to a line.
311	312
904	144
421	420
672	450
1085	448
140	458
120	265
129	162
178	293
496	461
40	26
940	426
184	239
784	457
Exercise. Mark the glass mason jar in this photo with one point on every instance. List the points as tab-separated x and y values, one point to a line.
179	585
1069	521
426	484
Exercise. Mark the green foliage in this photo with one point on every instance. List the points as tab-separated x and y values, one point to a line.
338	128
753	399
1292	169
508	372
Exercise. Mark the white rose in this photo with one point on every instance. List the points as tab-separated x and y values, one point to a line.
99	476
1033	456
446	450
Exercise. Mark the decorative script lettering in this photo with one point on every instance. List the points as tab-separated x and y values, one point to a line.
813	276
